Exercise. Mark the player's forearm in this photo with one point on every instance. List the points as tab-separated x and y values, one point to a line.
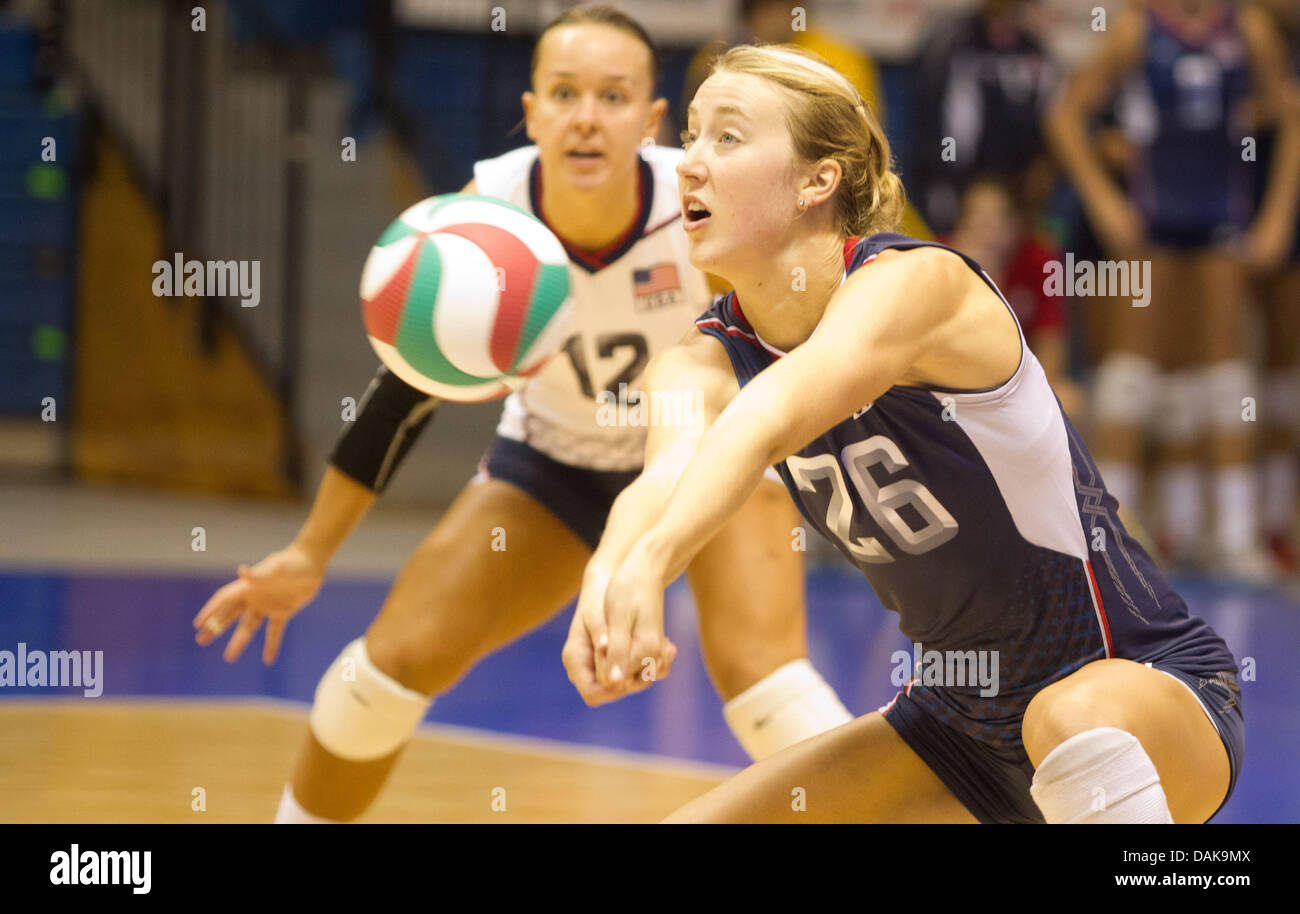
634	512
724	471
340	504
366	455
1068	137
1283	194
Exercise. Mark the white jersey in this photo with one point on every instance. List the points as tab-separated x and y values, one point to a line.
631	301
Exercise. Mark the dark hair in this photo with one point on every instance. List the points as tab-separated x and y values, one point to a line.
602	15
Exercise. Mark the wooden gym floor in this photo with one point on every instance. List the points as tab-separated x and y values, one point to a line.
155	761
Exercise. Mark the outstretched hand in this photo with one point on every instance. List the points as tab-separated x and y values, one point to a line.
273	590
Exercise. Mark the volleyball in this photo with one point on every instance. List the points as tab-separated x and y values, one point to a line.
464	296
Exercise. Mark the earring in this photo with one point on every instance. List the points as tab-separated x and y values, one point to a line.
802	204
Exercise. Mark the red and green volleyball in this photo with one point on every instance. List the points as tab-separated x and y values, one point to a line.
464	296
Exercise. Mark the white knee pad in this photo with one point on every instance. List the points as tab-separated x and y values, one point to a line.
1281	407
1125	389
1226	385
791	704
360	713
1099	777
1182	412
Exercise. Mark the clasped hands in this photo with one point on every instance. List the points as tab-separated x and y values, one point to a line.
616	644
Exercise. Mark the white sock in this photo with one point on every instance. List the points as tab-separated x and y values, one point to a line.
290	813
1181	514
788	705
1236	509
1121	480
1279	491
1102	776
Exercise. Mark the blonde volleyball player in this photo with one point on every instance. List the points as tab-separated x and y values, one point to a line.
913	427
553	472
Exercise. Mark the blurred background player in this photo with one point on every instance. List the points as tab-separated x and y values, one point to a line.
984	79
1280	295
551	476
1183	364
989	229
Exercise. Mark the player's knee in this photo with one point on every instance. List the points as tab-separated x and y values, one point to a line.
737	671
738	661
1227	385
1101	775
360	713
1065	709
425	657
1181	414
1125	389
427	637
786	705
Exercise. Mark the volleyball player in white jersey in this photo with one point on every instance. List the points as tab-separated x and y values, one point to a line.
554	470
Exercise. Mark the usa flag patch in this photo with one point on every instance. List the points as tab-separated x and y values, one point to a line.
656	287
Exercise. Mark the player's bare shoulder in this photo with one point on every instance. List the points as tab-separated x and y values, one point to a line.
925	285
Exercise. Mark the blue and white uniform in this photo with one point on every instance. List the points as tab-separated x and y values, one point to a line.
980	518
1184	113
632	300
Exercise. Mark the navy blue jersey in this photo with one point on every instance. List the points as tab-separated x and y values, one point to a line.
985	90
980	518
1185	118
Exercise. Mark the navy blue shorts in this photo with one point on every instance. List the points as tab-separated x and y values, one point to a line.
993	783
1195	238
579	497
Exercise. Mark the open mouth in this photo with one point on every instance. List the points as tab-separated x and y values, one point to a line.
695	212
585	156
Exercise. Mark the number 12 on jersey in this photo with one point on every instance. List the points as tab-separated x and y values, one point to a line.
606	344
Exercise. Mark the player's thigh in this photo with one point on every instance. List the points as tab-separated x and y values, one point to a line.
748	586
1140	330
1172	331
497	564
1159	710
1221	290
860	772
1282	308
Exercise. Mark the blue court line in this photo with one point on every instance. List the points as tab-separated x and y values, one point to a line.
142	624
